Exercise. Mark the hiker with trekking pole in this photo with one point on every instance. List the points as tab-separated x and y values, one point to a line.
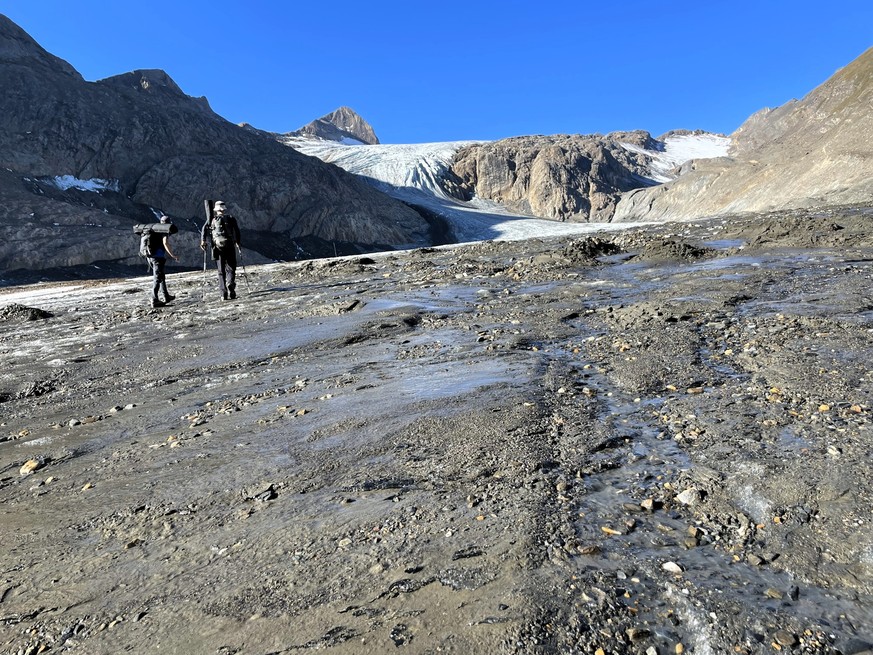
224	236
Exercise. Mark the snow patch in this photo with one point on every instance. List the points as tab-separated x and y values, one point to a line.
65	182
680	148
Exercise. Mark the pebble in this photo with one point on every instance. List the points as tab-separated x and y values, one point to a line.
671	567
29	467
637	634
784	638
74	422
689	497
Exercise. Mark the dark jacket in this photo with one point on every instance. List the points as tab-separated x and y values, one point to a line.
231	226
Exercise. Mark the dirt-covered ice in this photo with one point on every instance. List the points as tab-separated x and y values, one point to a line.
651	441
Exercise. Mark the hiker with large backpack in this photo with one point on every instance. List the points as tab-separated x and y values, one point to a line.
155	247
223	232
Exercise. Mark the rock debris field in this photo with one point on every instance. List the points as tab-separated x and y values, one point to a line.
652	441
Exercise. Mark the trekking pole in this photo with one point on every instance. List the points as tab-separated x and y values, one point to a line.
243	266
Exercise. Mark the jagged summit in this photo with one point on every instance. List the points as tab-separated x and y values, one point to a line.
343	125
152	79
18	47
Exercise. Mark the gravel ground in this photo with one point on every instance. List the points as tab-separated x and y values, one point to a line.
654	441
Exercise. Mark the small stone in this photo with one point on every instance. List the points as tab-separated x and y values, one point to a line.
610	531
754	560
773	593
784	638
689	497
679	649
29	467
637	634
824	408
116	409
74	422
344	543
648	504
87	486
671	567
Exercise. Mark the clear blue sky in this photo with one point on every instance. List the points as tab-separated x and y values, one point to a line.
446	70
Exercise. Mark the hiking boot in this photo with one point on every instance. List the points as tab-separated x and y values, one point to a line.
233	295
224	296
157	303
169	298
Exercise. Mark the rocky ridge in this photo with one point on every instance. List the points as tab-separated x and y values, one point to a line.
564	177
159	150
813	152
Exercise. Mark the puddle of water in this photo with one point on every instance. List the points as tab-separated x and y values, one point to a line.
724	244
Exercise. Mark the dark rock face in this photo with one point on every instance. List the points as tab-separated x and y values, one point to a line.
813	152
159	150
340	125
565	177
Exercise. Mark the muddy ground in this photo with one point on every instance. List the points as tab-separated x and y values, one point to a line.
655	441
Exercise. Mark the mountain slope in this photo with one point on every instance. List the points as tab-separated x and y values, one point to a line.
817	151
163	151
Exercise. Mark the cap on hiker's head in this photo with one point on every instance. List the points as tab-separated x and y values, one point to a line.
219	203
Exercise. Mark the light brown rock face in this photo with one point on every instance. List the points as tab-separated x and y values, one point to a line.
342	124
162	151
565	177
817	151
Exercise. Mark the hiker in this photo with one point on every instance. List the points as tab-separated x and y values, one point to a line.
159	250
224	234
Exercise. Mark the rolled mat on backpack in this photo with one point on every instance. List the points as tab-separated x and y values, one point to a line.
156	228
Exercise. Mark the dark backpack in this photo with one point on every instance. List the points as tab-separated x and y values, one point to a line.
222	235
145	244
152	236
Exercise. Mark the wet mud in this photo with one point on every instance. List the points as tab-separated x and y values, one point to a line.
652	441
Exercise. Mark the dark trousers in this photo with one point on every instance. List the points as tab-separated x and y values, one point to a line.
226	262
159	276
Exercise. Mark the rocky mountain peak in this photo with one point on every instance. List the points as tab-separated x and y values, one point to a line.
18	47
340	125
150	80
